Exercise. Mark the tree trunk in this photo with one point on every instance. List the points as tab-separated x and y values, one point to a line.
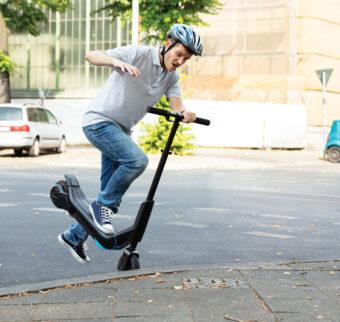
5	96
5	93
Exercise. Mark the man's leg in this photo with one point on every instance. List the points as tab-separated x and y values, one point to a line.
116	145
108	167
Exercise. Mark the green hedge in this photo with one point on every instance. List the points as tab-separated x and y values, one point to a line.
155	135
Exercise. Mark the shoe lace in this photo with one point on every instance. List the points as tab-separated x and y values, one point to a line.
106	213
82	248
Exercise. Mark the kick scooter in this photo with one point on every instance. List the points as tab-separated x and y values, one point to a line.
67	194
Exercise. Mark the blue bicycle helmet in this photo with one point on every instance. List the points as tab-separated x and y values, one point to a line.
186	36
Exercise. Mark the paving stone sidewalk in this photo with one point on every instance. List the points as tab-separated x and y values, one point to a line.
283	292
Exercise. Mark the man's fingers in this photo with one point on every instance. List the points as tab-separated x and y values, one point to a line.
189	117
135	71
132	70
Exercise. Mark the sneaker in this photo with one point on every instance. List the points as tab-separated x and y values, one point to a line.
101	216
78	252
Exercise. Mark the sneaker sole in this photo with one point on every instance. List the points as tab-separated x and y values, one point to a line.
72	251
100	227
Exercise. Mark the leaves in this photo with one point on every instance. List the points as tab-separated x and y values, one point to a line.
158	16
6	64
25	16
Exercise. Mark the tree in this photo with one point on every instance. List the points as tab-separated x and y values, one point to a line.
22	16
157	16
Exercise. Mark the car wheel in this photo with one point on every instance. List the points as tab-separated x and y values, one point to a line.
334	154
62	146
34	150
18	152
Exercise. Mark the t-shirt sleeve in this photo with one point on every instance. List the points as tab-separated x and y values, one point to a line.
174	89
125	53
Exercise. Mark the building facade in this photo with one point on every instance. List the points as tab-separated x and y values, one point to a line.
268	51
255	51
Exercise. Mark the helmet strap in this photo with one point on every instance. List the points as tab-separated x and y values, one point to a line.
164	51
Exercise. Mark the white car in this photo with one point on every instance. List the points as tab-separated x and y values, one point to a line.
31	128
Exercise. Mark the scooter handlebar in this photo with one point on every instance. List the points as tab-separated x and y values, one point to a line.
166	113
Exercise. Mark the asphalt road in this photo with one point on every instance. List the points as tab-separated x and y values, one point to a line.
202	217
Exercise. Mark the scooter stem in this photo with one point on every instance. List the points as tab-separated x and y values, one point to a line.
163	159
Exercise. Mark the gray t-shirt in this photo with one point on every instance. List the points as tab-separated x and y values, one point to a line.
124	98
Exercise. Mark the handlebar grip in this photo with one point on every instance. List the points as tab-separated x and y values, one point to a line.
202	121
166	113
159	111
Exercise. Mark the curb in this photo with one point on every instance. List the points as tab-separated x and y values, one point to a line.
98	278
92	279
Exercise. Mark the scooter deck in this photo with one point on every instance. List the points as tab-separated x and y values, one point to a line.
82	214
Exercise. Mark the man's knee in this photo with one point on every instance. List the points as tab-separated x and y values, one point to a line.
140	163
143	161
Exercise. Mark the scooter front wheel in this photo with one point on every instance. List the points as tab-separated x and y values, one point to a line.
128	261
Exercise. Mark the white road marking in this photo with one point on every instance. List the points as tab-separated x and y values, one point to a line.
5	190
38	194
139	194
49	209
275	226
156	203
155	251
264	234
186	224
280	216
8	204
122	217
213	209
289	195
30	174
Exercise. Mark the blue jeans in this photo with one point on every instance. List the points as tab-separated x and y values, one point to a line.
122	161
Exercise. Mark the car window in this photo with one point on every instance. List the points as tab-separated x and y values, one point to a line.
42	115
51	118
32	114
10	113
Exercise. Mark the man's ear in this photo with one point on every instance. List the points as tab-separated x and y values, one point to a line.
168	42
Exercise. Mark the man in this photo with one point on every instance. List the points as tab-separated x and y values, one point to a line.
141	76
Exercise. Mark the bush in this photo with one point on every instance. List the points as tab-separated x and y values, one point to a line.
155	135
6	64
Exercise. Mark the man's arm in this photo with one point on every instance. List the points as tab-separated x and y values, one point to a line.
176	104
99	58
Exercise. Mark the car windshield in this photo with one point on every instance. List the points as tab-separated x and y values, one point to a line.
10	113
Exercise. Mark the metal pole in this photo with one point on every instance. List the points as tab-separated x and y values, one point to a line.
119	32
87	41
57	50
135	21
324	107
28	63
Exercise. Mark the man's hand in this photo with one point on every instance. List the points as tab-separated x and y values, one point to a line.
189	117
132	70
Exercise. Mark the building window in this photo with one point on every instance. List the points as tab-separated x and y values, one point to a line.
55	59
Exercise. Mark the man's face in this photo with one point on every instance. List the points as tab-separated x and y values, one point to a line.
175	57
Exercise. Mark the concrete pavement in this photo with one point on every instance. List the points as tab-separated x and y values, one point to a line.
282	292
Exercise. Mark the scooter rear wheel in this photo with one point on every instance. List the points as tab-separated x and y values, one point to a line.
59	196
